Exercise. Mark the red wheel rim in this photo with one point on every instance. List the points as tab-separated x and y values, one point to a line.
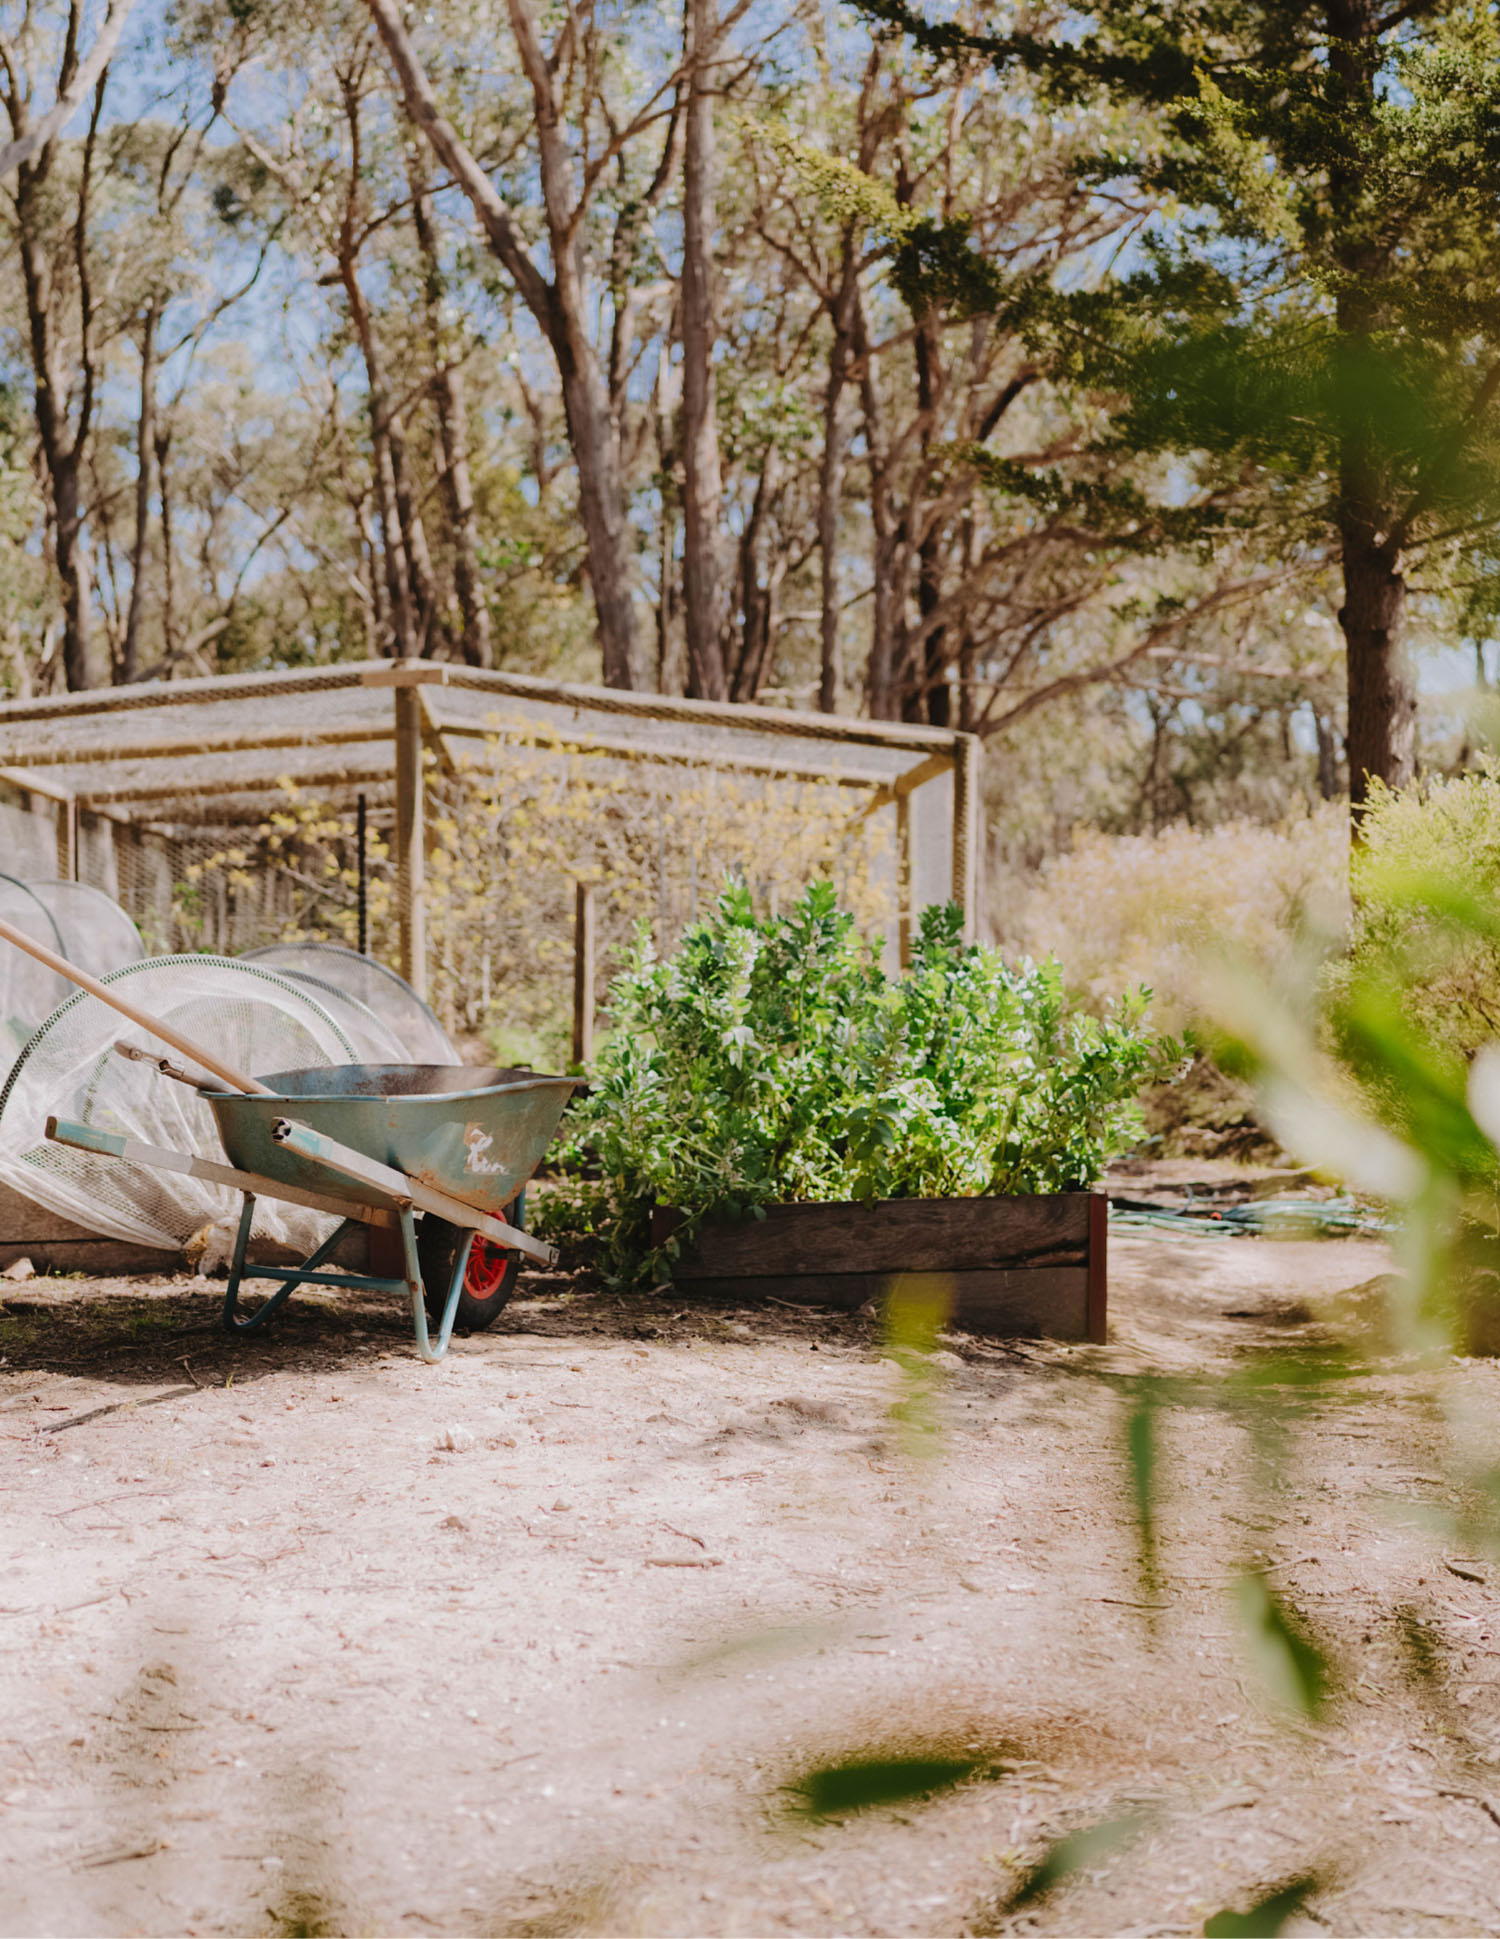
488	1264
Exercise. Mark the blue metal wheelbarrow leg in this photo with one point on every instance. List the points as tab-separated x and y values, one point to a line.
310	1273
418	1299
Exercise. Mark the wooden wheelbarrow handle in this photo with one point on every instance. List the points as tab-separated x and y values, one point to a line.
226	1073
401	1189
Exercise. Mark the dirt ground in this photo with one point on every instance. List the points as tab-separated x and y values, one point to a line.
298	1635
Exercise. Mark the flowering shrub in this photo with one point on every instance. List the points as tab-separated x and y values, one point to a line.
1125	909
1419	849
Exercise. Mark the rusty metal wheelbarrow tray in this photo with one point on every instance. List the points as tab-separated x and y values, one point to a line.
476	1135
381	1144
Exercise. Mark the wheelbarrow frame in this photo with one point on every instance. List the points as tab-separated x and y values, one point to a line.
362	1192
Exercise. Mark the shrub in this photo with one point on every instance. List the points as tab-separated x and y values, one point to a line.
773	1059
1421	848
1129	909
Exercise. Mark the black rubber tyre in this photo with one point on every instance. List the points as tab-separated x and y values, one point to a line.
489	1280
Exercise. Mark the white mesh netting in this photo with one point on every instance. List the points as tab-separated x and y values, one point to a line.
252	1019
422	1037
96	933
29	991
374	1041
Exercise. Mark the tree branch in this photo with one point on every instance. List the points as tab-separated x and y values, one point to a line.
71	97
421	104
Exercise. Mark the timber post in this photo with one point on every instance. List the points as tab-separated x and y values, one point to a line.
411	853
67	838
583	973
967	837
362	853
904	881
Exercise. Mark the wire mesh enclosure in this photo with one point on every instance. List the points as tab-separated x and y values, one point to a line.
225	816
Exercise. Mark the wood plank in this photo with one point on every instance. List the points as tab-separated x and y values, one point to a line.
1098	1318
892	1235
57	1245
583	973
98	1258
1049	1301
28	1231
401	1189
86	1138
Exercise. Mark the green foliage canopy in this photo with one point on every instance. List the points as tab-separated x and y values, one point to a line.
1299	337
1317	249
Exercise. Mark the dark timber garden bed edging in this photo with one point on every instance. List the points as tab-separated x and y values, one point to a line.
1034	1265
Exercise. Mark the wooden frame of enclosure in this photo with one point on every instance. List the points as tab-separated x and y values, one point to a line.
38	755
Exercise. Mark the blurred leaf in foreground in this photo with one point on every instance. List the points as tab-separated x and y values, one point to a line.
775	1640
917	1308
1268	1915
863	1783
1290	1663
1141	1448
1066	1856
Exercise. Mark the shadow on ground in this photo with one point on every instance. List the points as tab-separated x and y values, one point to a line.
1177	1307
146	1331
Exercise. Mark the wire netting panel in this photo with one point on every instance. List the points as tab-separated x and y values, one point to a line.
253	1019
514	836
28	834
512	829
421	1037
221	816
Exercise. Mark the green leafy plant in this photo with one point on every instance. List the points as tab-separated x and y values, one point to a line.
1372	1076
1417	847
772	1059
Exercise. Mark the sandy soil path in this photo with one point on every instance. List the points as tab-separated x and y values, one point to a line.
298	1635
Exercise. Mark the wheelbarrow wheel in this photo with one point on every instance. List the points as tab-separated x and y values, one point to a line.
489	1278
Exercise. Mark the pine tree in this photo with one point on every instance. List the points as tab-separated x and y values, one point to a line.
1311	309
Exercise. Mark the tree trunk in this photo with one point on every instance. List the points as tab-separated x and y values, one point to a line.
73	570
411	534
405	622
757	588
560	307
931	673
61	443
1382	738
968	648
130	650
880	669
397	585
448	395
700	440
831	480
1328	757
163	444
408	567
453	428
1382	690
666	418
591	427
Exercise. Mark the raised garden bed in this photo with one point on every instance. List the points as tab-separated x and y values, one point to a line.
1015	1266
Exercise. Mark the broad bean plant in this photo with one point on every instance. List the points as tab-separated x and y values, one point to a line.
773	1058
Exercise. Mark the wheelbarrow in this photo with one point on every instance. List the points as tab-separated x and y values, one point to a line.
379	1145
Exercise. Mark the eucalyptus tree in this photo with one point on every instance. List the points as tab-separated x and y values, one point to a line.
47	208
615	112
334	180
